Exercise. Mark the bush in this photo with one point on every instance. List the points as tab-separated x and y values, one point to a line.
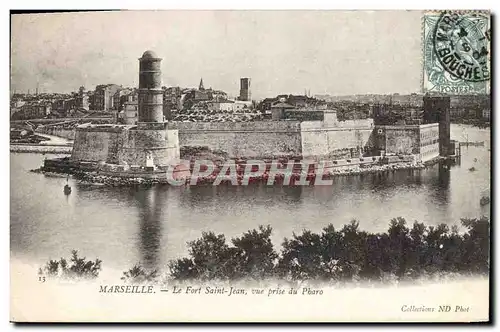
138	275
77	268
250	256
347	254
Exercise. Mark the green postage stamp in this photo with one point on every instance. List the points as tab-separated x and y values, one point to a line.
456	57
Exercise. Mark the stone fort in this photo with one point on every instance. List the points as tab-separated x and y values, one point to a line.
154	142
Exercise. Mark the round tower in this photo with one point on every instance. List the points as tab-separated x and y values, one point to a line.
150	91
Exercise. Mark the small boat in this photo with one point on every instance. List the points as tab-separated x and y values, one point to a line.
67	188
484	201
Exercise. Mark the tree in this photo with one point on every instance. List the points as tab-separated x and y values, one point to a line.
347	254
251	255
138	274
254	253
77	268
302	257
476	247
399	246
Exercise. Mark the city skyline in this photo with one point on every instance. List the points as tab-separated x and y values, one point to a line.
353	55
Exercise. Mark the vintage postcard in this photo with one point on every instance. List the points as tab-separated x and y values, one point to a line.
250	166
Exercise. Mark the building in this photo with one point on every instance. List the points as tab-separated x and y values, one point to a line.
278	110
221	106
130	112
120	97
297	101
91	95
192	97
17	133
200	95
33	110
305	114
63	105
241	106
104	96
409	131
245	92
267	103
172	97
437	109
389	114
486	114
172	101
70	104
17	103
457	113
429	141
82	99
13	111
218	95
422	141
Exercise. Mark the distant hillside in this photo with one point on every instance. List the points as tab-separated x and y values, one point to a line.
479	101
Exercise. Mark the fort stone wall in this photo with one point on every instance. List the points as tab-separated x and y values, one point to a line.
267	139
338	139
97	144
161	145
429	141
260	139
118	144
57	131
401	139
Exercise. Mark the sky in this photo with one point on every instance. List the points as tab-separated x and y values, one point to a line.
326	52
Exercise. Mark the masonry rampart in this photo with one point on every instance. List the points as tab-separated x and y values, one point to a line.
261	139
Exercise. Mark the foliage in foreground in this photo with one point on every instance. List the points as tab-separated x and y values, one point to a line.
345	254
341	255
138	275
251	255
76	268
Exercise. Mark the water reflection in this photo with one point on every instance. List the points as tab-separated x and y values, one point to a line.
444	176
260	194
150	202
293	194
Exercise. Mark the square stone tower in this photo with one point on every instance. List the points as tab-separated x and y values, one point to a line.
245	92
437	110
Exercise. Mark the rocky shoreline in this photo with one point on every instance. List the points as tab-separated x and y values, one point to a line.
94	177
53	149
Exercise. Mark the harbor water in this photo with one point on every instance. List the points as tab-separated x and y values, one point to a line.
151	225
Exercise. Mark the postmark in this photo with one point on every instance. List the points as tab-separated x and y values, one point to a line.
456	57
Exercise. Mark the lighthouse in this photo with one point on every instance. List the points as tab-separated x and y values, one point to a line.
150	91
149	144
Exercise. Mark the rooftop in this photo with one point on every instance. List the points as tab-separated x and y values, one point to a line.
149	55
282	105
